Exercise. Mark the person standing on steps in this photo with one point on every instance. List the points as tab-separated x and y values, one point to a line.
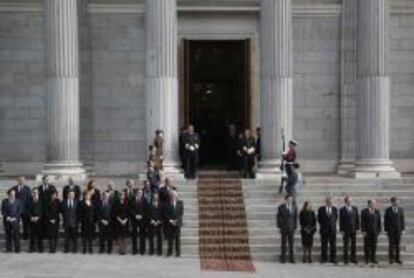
24	194
371	228
327	218
349	225
307	220
192	147
394	226
290	165
11	209
286	222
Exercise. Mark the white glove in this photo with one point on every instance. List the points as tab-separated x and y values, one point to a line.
138	217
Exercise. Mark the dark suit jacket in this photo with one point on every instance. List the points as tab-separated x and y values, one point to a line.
104	212
44	195
175	214
348	220
394	223
156	213
138	208
70	216
327	224
35	209
287	221
24	195
370	222
11	210
76	189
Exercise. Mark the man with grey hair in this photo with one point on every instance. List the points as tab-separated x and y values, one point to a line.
327	218
71	186
394	226
174	219
349	225
371	228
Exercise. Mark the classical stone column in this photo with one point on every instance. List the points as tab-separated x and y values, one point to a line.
373	98
276	81
348	86
62	60
162	78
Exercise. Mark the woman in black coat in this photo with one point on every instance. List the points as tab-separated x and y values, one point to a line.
87	220
307	219
120	220
52	212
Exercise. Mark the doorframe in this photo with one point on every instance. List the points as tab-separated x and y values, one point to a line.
251	78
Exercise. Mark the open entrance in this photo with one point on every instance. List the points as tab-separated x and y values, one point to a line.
217	93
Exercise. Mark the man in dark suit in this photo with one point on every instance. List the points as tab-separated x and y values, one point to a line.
45	190
23	193
35	210
174	219
138	213
129	189
70	214
249	154
349	225
11	210
155	218
103	217
370	228
192	146
327	218
258	144
71	186
287	215
394	226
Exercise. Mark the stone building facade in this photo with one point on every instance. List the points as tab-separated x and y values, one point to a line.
83	83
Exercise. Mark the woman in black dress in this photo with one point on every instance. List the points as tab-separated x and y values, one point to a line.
87	220
52	221
307	219
120	219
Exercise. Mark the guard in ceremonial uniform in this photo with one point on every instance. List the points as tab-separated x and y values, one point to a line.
394	226
290	164
249	154
192	146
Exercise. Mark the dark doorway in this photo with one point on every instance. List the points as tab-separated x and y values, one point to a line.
217	93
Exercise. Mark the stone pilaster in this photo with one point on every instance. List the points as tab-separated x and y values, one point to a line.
348	86
276	82
62	60
373	99
162	77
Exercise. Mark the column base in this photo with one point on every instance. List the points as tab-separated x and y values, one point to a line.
345	167
61	171
269	170
371	169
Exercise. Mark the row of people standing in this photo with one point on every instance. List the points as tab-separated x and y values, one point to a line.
139	212
350	222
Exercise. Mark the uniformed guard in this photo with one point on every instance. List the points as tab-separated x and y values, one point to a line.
291	166
192	146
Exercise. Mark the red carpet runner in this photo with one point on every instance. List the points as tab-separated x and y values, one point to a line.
224	237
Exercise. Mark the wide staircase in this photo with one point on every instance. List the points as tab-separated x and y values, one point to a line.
262	199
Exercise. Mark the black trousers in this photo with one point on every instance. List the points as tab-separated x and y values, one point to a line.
287	239
370	247
155	231
331	240
248	165
71	237
349	238
36	237
174	236
138	231
394	240
191	165
87	245
12	236
26	225
291	181
53	244
105	238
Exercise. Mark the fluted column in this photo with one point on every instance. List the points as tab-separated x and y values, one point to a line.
62	61
348	86
276	81
373	99
161	77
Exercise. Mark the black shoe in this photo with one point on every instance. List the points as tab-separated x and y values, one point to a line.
399	262
292	261
391	261
374	261
346	262
354	261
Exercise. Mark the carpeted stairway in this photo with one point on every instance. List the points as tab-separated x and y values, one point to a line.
223	232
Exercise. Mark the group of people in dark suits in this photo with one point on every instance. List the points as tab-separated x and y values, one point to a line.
350	222
243	151
142	214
